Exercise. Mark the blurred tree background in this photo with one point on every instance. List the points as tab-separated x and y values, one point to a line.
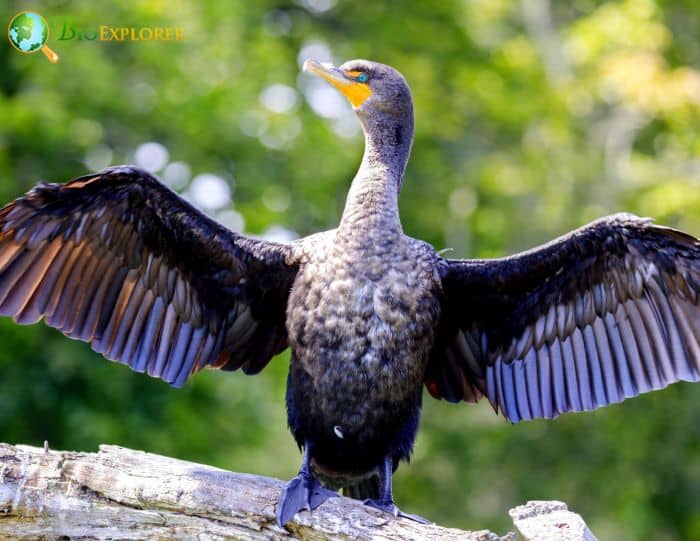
533	117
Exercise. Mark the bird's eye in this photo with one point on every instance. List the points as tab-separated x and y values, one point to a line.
359	76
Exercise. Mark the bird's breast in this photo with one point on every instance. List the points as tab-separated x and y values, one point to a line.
361	325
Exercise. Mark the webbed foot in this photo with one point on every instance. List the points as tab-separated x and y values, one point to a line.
301	493
389	507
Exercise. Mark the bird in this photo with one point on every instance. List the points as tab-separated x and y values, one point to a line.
372	316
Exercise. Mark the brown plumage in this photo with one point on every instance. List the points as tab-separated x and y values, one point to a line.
116	259
119	261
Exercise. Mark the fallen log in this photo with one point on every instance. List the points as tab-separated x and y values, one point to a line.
123	494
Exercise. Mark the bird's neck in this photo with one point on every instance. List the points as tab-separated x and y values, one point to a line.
372	201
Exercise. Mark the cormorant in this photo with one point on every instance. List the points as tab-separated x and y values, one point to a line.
116	259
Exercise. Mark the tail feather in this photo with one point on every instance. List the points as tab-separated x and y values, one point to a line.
367	489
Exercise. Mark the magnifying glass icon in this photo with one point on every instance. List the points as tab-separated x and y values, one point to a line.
28	32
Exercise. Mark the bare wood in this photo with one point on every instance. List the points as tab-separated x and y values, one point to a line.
549	521
119	493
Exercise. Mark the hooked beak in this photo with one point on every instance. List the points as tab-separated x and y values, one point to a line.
356	92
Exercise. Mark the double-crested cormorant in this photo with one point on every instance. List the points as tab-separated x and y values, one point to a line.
116	259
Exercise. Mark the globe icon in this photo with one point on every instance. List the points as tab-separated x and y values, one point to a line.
28	32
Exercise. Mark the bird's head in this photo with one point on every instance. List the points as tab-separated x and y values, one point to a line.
373	89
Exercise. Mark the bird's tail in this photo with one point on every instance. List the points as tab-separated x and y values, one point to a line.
367	489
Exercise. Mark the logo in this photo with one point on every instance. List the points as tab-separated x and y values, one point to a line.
119	33
28	33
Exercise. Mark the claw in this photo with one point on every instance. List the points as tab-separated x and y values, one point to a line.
301	493
389	507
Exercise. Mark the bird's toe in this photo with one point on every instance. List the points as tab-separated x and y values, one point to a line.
390	507
301	493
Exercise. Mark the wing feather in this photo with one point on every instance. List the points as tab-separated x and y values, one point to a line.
545	381
586	388
605	313
118	260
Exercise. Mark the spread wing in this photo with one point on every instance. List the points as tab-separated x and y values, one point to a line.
118	260
609	311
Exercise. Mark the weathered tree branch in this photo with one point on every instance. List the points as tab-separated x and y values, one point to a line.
122	494
118	493
549	521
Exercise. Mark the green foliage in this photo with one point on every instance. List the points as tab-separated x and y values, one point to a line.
533	117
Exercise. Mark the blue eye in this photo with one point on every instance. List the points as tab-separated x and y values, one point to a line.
362	78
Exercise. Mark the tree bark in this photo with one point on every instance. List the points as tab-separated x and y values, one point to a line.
123	494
